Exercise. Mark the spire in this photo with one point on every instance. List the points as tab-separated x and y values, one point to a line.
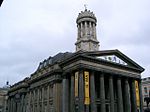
86	24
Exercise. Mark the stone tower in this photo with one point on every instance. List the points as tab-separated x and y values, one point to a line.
86	37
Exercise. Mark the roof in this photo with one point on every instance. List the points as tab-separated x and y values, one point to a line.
86	15
55	59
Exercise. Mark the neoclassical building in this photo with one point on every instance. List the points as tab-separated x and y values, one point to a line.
88	80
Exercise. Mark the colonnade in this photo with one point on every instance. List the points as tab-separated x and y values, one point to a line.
86	28
121	90
107	93
17	105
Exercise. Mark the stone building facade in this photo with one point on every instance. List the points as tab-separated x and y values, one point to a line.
88	80
3	98
145	89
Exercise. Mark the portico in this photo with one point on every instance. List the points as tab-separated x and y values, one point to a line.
111	85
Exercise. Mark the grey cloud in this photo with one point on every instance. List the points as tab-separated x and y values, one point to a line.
31	31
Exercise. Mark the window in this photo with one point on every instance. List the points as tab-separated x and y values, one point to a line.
145	89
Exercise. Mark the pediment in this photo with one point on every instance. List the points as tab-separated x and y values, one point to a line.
115	57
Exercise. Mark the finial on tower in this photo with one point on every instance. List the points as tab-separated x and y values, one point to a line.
85	6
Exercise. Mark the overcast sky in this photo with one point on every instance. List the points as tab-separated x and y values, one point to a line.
32	30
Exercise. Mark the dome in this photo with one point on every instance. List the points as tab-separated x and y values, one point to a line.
87	15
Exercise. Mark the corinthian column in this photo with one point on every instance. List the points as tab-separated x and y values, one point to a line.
65	93
72	95
81	92
86	29
94	27
119	95
133	96
48	97
81	30
111	89
102	94
141	97
127	102
92	91
90	28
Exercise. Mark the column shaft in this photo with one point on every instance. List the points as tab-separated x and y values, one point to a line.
127	102
22	103
81	30
86	29
133	96
30	99
33	100
14	106
92	92
42	99
119	95
81	92
65	103
72	95
10	109
9	104
141	97
111	90
94	30
47	98
90	28
102	94
38	100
